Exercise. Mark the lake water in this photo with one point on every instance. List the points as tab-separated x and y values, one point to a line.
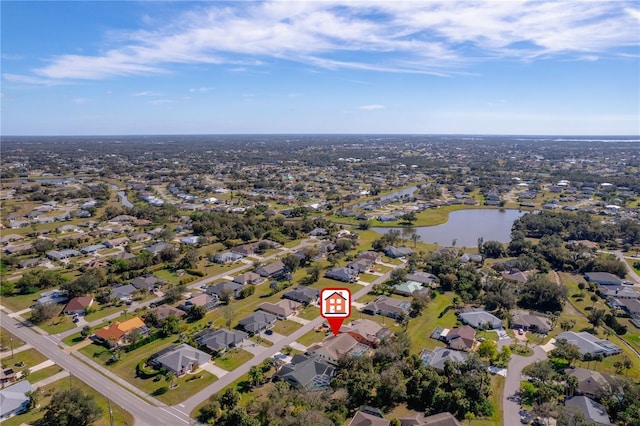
466	226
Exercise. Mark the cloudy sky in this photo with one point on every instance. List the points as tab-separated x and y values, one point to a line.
495	67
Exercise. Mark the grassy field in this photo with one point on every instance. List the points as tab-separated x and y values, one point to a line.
437	314
585	306
311	337
285	327
120	416
309	313
233	359
58	324
19	302
8	339
29	358
44	373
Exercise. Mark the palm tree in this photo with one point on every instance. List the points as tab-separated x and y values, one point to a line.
415	238
170	377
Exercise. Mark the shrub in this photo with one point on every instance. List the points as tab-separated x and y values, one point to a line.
195	272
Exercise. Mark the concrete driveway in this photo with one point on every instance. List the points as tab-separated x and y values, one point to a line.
273	337
252	347
511	395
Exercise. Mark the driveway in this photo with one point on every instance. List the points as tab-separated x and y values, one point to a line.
215	370
252	347
511	395
273	337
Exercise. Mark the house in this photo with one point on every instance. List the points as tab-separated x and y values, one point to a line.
92	248
620	292
147	282
335	303
409	287
397	252
248	278
587	343
530	321
220	340
440	419
466	258
7	375
318	232
372	256
10	238
439	356
123	292
592	384
459	338
257	322
158	247
422	278
283	309
360	265
594	412
303	294
306	372
224	290
366	331
113	334
271	270
368	417
78	305
631	306
140	236
164	311
182	359
96	262
52	296
28	263
602	278
342	274
388	306
334	347
480	319
226	257
245	249
13	399
515	276
116	242
62	254
209	301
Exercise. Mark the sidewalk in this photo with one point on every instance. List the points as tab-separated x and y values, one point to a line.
15	351
44	364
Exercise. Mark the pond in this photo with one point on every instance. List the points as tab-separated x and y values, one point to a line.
466	226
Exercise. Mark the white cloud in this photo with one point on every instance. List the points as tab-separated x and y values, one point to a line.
370	107
27	79
79	101
146	93
202	90
417	37
161	101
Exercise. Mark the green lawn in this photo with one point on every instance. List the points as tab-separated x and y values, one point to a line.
369	297
44	373
324	282
103	311
30	357
309	313
184	387
120	416
20	302
368	277
168	276
233	359
497	388
58	324
8	339
311	338
285	327
436	314
261	341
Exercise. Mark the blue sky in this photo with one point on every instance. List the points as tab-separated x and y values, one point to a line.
497	67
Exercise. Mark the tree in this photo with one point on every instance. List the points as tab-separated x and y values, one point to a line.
196	313
34	397
229	314
343	246
398	274
85	332
419	302
71	407
170	377
596	317
229	398
256	375
500	295
291	261
543	295
493	249
190	259
409	217
173	294
415	238
567	325
44	312
566	350
314	273
170	325
488	349
42	246
168	254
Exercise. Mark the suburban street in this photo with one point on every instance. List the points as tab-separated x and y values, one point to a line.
511	394
124	395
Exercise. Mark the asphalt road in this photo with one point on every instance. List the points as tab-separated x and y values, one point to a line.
511	395
144	413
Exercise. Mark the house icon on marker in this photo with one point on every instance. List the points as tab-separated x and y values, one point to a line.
335	303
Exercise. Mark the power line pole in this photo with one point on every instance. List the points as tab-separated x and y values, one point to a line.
110	412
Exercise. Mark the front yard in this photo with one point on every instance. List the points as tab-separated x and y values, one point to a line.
285	327
23	359
232	359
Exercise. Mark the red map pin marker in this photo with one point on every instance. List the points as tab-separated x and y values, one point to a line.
335	306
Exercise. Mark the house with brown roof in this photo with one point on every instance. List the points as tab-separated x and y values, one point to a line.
460	338
78	305
366	417
366	331
164	311
530	321
272	269
114	334
440	419
592	383
248	278
333	347
283	309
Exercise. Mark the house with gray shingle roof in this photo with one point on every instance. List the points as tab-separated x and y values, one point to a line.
306	372
437	357
220	340
257	322
13	399
343	274
303	294
388	306
480	319
593	411
587	343
182	359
